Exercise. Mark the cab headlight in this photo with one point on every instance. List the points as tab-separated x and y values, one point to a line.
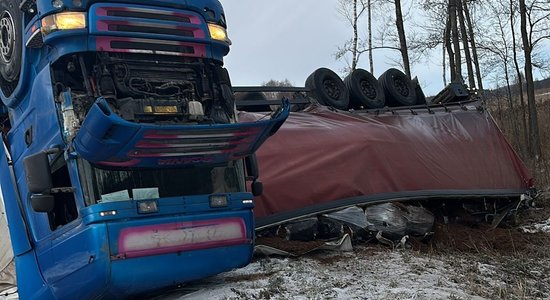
63	21
219	33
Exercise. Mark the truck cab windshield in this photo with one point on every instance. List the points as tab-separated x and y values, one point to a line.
103	185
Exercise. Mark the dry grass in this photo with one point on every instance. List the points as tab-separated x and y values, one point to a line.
507	120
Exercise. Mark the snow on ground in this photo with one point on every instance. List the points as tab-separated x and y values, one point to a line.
375	272
366	273
543	227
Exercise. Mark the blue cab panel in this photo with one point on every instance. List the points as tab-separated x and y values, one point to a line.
86	100
96	261
107	139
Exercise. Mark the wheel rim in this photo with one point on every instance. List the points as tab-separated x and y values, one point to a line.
401	86
7	37
331	89
368	89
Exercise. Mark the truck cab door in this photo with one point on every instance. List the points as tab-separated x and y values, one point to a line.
12	202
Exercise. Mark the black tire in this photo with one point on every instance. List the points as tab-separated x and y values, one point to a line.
398	88
364	90
328	88
10	45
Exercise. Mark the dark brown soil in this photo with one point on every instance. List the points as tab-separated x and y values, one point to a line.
249	277
457	237
294	247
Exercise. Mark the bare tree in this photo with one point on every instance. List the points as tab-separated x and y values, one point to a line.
352	12
282	83
449	46
369	30
464	35
529	42
519	77
471	35
455	40
402	37
498	43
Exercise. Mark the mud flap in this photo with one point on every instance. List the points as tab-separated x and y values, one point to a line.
108	140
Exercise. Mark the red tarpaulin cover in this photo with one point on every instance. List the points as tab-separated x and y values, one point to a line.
320	158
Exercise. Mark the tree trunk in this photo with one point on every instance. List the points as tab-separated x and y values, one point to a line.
449	47
525	145
534	137
443	62
371	61
464	35
455	40
513	113
505	56
355	38
402	37
474	47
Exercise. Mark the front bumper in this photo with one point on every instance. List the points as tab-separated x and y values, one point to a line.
128	257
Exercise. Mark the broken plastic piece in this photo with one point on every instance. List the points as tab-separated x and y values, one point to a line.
301	230
353	218
419	220
395	220
387	218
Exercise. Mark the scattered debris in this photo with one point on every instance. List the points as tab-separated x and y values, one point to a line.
301	230
395	220
389	223
278	246
352	220
536	228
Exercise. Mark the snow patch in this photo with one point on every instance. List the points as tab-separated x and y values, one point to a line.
543	227
376	275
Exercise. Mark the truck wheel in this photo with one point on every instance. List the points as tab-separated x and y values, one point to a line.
364	90
328	88
398	88
10	45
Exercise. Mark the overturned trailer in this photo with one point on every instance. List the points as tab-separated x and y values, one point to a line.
449	154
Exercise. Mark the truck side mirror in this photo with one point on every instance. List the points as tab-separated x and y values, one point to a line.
42	203
38	173
252	169
257	188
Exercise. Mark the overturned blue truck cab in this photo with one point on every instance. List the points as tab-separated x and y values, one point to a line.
123	168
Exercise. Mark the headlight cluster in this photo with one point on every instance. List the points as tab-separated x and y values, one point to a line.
77	20
63	21
218	33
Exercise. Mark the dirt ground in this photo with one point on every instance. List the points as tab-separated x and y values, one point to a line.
458	262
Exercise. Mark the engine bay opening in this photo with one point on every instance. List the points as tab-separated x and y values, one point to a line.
144	88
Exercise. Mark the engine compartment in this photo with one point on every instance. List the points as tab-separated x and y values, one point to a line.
144	88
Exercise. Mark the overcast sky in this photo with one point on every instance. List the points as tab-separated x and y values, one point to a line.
290	39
